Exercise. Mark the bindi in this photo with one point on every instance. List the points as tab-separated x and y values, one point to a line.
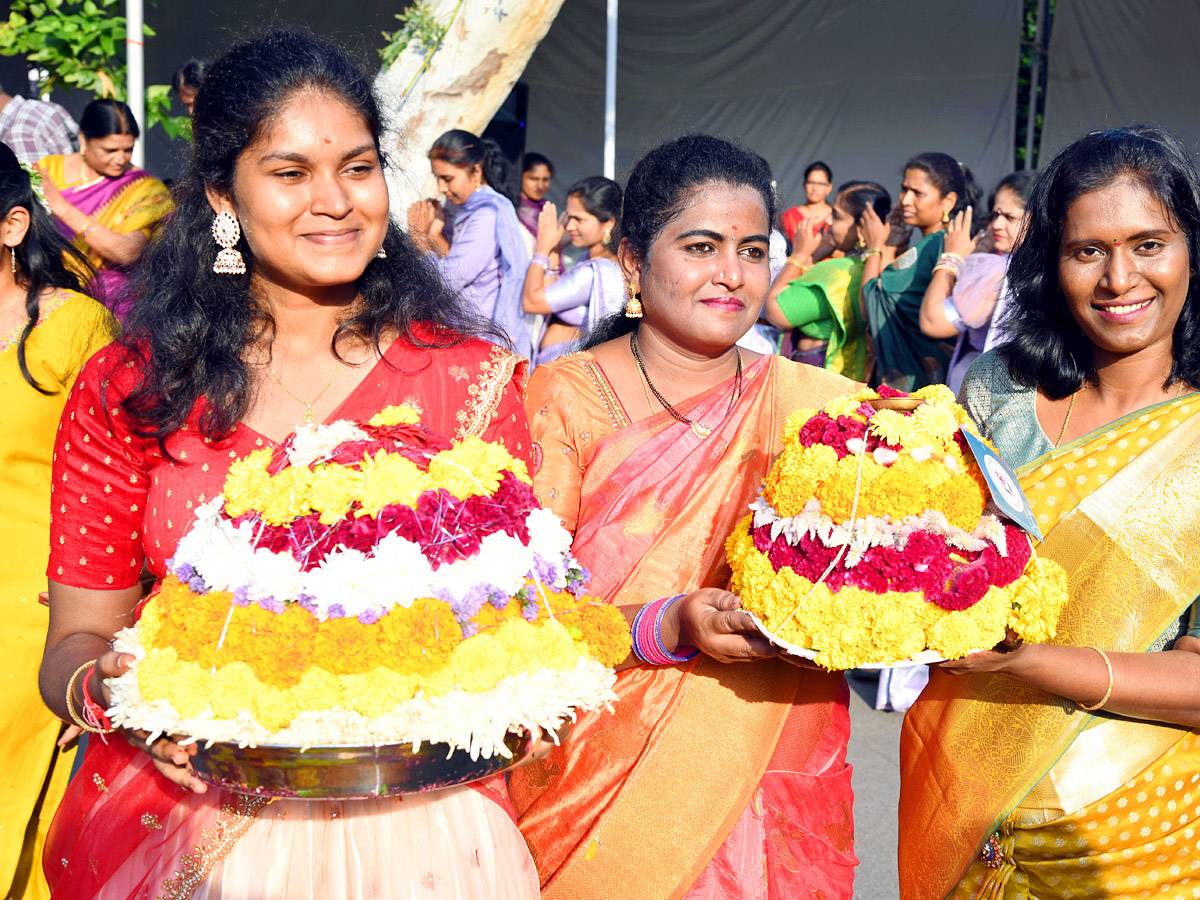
328	141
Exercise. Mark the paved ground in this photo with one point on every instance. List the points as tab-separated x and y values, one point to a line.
874	752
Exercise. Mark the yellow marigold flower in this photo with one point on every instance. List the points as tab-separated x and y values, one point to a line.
377	692
894	427
247	482
390	478
602	628
162	675
843	406
332	491
1037	599
937	393
318	689
473	467
937	420
274	708
286	497
233	690
791	428
796	475
395	415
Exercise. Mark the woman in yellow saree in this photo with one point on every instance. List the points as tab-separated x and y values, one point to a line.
708	780
1078	774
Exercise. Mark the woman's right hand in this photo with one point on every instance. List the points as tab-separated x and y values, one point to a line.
171	759
549	231
421	216
875	231
958	235
712	621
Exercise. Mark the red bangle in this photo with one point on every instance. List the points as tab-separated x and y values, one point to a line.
647	636
93	713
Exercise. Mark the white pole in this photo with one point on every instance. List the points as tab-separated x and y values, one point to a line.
610	95
135	87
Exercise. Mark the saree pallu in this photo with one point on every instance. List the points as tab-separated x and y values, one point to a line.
823	303
906	359
136	201
707	779
983	753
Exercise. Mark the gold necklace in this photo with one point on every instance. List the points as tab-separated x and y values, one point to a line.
309	418
1071	408
700	429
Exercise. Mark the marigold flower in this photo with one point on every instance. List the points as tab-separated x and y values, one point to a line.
395	415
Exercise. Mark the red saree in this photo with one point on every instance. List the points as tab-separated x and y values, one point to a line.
123	830
707	780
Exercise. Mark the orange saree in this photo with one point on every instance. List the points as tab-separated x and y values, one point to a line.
706	780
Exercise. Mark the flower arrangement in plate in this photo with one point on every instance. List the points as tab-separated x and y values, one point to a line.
370	584
872	541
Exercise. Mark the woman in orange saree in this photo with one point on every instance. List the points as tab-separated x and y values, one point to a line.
708	779
1078	775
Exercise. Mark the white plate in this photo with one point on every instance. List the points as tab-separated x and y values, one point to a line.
922	658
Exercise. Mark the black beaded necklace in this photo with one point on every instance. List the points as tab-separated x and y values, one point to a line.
699	428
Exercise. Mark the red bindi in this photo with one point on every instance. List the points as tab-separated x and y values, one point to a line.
328	141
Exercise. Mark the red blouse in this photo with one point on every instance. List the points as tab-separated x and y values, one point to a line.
116	499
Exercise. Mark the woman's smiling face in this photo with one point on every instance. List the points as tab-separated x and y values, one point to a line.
1123	268
707	273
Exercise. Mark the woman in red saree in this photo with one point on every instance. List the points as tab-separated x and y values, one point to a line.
334	316
709	779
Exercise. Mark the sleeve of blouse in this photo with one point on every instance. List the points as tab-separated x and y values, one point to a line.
557	471
99	486
509	425
571	293
801	303
471	251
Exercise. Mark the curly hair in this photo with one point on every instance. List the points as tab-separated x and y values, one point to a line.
662	185
191	327
1047	348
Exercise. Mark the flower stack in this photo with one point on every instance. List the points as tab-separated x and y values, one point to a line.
871	540
370	584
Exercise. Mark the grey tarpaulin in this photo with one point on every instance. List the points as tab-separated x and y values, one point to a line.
1119	63
861	84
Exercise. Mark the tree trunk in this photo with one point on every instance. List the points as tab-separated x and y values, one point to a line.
468	77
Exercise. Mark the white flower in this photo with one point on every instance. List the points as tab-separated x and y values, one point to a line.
921	454
315	442
546	534
884	456
855	446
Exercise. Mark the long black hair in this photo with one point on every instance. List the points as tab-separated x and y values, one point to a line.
663	184
44	258
1047	348
948	174
192	327
465	150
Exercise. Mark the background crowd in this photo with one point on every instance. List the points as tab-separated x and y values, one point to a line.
661	325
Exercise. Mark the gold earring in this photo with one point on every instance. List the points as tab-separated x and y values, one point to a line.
607	239
12	261
633	308
945	217
860	244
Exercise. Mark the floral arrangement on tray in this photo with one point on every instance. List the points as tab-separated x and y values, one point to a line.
871	540
370	584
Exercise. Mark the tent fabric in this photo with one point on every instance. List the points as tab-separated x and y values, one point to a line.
860	84
1114	64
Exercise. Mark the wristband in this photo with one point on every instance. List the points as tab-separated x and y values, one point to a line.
93	713
647	635
541	259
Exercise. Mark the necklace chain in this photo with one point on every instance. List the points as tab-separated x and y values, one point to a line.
1071	408
309	418
701	430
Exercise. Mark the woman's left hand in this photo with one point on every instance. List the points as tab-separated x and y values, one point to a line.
549	231
958	235
713	621
805	243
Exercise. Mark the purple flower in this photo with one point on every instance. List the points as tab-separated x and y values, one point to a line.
336	611
546	571
368	616
307	601
272	605
185	572
467	607
197	585
241	596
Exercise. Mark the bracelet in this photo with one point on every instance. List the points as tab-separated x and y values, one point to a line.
944	267
541	259
647	635
802	265
87	229
947	256
872	253
75	717
1107	693
93	713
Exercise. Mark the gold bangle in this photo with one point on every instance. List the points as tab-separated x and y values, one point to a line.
872	253
88	228
1107	693
76	717
802	266
945	267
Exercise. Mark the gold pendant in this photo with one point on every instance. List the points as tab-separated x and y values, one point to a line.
309	418
701	430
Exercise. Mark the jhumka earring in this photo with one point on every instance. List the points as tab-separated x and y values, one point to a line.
633	307
607	239
945	217
381	253
226	231
860	244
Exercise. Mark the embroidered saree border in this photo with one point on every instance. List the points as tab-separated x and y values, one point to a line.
1114	546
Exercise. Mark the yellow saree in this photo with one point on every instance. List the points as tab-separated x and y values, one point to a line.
639	801
1081	804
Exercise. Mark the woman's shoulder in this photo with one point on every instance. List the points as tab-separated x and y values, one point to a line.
571	369
990	372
